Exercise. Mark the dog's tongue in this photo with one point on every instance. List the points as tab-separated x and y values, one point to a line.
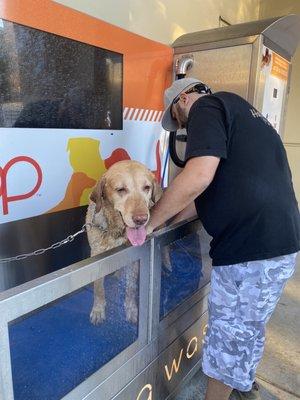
136	236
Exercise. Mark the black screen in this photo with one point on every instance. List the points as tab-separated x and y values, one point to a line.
49	81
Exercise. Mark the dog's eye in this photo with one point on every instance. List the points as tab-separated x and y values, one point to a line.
121	190
147	188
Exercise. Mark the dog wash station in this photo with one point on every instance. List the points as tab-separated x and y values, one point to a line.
48	347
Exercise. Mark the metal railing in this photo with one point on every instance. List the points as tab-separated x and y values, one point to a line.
25	299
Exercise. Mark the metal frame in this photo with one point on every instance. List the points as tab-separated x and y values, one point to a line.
26	298
255	87
159	242
159	326
282	31
192	48
20	301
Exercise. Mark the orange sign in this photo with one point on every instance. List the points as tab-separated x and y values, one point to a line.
280	67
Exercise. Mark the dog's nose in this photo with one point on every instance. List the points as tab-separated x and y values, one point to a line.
140	219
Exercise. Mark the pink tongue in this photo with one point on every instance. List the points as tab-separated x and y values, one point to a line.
136	236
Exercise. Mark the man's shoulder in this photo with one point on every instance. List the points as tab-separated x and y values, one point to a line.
228	96
219	98
220	103
228	101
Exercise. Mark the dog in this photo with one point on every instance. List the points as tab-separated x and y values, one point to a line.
118	212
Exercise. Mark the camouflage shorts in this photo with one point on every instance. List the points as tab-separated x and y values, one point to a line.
241	301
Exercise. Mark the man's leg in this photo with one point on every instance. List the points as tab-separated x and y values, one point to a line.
242	299
216	390
275	273
221	353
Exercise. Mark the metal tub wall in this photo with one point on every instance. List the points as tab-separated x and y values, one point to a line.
49	346
27	235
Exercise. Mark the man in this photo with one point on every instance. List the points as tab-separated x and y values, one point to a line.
237	179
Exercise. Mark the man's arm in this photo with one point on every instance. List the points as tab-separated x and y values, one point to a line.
188	212
189	184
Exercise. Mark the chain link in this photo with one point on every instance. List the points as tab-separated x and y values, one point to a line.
53	246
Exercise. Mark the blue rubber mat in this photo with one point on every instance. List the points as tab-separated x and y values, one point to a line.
185	274
56	348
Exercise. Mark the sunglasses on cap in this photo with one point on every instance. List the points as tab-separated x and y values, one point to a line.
200	88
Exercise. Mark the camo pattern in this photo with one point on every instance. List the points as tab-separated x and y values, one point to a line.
242	300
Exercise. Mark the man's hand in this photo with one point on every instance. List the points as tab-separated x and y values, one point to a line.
149	229
188	212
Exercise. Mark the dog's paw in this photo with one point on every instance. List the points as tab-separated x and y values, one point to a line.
131	311
97	315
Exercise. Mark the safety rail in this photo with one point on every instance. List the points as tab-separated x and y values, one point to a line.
49	317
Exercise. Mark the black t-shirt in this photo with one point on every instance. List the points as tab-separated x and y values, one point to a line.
250	208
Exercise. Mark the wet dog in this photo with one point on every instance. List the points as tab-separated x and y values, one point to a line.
118	212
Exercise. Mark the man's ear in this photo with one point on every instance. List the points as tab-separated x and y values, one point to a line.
156	191
184	98
97	195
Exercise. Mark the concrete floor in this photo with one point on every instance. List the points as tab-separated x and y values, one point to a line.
279	372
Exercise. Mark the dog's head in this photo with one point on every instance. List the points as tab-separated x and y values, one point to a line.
130	189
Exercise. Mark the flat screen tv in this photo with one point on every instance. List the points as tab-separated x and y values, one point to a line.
50	81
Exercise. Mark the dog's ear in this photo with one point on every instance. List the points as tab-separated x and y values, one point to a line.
97	195
156	191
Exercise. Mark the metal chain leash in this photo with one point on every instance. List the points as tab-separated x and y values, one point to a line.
53	246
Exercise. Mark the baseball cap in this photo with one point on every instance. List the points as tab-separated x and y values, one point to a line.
177	87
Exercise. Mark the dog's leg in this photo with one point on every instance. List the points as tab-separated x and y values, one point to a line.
166	258
98	311
131	306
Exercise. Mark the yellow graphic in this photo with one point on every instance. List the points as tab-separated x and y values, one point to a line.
76	186
88	167
84	156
